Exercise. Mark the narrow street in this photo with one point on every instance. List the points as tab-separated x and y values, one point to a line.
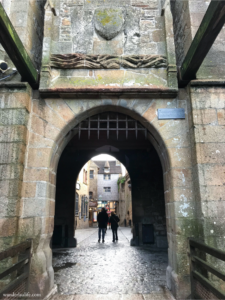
109	270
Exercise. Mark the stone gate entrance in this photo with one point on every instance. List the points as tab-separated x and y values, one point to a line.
128	140
160	158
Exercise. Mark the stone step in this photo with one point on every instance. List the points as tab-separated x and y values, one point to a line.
166	295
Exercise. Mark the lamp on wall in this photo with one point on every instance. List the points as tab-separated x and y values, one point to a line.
3	66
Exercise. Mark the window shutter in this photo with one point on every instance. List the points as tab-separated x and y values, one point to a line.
77	204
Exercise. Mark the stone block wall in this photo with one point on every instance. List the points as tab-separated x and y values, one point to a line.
27	18
143	29
143	32
187	17
208	105
15	105
182	28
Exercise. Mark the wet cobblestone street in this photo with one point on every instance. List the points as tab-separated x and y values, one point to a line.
110	268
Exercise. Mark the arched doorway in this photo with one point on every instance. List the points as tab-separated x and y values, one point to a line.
165	136
128	141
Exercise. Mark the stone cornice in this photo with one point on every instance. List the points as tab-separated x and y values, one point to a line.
142	92
208	82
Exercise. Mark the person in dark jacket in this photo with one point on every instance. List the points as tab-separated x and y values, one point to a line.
102	224
113	220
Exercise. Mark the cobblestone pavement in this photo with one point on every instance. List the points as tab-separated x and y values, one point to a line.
109	270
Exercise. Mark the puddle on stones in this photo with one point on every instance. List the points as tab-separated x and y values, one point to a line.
66	265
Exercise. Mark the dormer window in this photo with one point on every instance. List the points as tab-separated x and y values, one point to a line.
107	176
106	167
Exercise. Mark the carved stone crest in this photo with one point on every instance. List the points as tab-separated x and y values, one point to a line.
83	61
108	22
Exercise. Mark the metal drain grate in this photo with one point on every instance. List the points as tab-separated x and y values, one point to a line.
202	292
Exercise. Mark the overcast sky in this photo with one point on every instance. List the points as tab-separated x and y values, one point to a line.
108	157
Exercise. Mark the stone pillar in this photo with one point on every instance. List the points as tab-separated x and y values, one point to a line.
148	197
65	199
15	100
208	112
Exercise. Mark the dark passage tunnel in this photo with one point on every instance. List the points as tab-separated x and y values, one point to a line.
127	140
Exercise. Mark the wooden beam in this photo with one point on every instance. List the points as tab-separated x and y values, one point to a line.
207	33
209	267
15	267
13	251
208	249
16	51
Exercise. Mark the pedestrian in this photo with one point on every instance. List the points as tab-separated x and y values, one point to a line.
102	223
107	221
113	220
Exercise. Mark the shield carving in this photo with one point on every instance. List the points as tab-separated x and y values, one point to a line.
108	22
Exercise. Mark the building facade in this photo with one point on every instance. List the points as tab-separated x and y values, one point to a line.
93	181
93	194
82	198
108	174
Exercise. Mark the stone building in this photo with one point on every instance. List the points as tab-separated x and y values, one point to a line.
93	194
142	80
107	189
124	208
93	181
82	198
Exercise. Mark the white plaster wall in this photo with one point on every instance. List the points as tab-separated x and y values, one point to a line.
114	195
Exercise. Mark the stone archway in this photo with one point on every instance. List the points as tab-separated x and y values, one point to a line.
51	128
125	138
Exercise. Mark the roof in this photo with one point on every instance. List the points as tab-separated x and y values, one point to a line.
114	169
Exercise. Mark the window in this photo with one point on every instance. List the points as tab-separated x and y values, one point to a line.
87	209
82	206
90	195
107	176
107	189
77	204
91	174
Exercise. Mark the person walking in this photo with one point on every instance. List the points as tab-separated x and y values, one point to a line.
113	220
102	223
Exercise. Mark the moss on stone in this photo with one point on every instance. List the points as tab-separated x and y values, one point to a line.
108	15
